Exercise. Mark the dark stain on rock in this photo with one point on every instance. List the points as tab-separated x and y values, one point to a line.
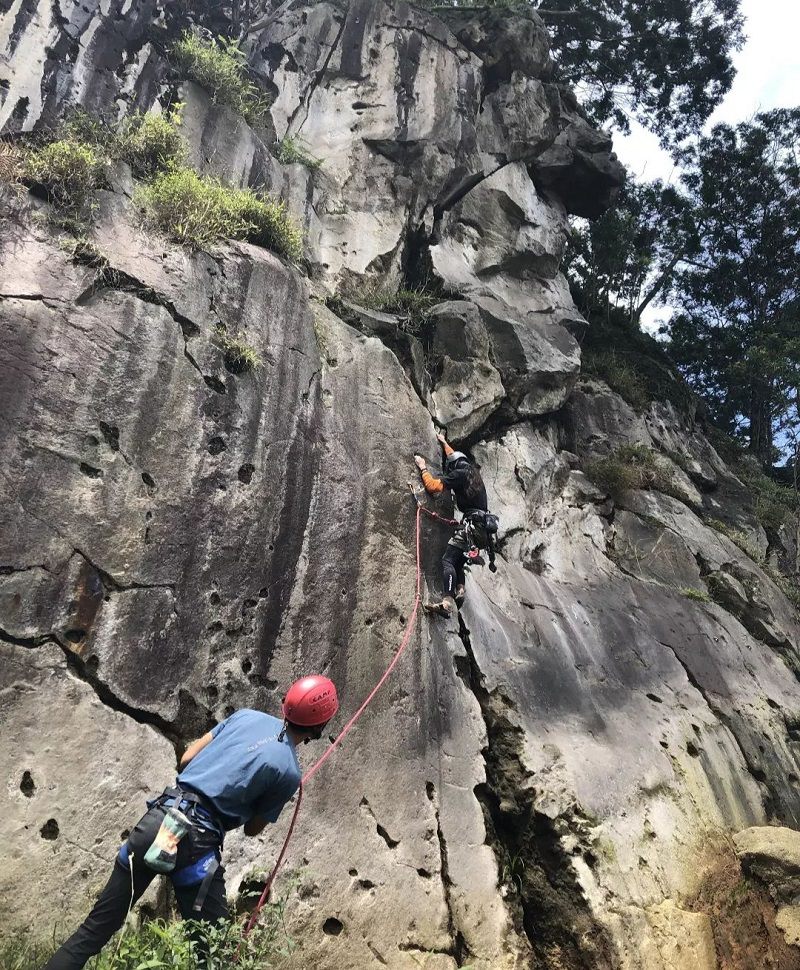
352	40
111	435
85	603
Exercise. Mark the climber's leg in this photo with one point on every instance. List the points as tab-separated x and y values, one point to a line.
128	881
461	582
107	916
452	567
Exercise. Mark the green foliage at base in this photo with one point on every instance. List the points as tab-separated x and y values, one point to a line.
69	171
11	163
292	150
219	66
240	356
161	945
198	210
632	467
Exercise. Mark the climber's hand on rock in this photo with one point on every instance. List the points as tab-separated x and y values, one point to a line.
420	462
441	438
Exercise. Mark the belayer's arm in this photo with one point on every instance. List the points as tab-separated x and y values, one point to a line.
195	748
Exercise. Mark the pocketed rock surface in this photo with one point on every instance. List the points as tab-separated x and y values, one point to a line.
540	780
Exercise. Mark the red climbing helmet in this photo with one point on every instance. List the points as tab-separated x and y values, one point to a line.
310	701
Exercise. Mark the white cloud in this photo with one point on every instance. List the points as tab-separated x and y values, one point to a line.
768	66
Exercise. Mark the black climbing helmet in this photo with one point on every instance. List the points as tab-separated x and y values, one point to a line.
453	461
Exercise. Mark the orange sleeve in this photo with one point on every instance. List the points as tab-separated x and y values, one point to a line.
433	486
447	449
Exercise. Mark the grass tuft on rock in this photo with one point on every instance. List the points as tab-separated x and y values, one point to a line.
219	66
412	305
632	467
68	170
698	595
292	150
198	211
240	356
619	374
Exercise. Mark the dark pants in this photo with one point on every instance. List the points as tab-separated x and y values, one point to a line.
111	908
453	562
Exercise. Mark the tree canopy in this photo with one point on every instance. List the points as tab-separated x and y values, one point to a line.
666	63
625	258
737	332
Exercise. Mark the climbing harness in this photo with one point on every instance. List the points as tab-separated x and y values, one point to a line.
351	723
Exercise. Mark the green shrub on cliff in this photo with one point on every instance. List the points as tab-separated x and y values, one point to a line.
151	143
68	170
198	211
619	374
292	150
632	467
220	67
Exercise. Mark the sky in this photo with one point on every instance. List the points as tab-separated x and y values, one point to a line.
768	76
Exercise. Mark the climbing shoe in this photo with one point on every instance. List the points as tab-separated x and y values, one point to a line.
446	608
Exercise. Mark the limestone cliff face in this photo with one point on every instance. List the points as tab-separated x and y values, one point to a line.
538	783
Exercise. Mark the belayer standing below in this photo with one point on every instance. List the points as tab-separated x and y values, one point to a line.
242	772
476	530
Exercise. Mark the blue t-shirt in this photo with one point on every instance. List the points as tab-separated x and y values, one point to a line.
245	771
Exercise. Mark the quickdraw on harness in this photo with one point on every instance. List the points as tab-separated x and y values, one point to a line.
479	529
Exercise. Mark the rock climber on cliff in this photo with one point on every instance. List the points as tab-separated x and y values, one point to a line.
476	530
242	772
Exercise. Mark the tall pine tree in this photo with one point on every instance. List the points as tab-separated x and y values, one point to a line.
737	332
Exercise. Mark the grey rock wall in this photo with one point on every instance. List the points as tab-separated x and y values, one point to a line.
538	783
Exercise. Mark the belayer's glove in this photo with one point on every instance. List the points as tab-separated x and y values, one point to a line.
492	567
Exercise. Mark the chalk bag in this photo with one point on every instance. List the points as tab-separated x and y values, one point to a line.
163	853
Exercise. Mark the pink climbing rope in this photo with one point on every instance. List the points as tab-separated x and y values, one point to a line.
352	722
